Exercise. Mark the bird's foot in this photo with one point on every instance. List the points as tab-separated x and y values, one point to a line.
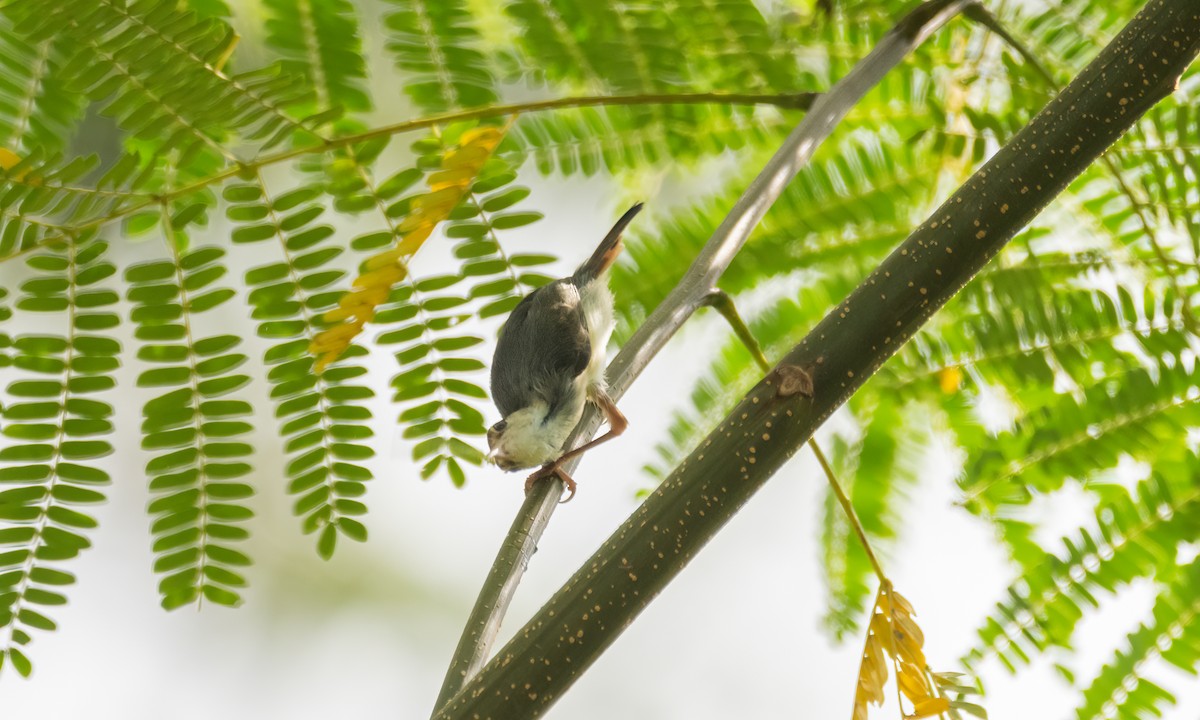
548	470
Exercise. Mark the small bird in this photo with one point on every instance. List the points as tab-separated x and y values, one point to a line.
549	362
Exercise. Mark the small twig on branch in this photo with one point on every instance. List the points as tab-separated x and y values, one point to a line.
686	297
1137	69
720	301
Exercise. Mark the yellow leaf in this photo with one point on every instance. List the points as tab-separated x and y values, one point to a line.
383	271
872	672
8	159
901	603
913	683
415	239
450	178
950	380
932	706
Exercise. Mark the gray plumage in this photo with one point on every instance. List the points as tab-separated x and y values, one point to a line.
550	359
543	347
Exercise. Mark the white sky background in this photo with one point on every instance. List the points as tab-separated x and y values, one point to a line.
368	635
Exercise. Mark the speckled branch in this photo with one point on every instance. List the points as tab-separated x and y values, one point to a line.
688	296
1140	66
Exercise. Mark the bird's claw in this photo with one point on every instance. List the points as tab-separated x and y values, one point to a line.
548	470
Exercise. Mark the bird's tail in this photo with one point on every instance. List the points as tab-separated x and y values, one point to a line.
606	254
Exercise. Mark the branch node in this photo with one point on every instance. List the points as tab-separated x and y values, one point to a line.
792	380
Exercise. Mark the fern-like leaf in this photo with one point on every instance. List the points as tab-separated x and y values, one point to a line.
1133	414
458	163
732	45
1122	689
194	429
321	408
490	208
54	429
1135	536
40	202
320	40
436	42
36	110
168	66
843	211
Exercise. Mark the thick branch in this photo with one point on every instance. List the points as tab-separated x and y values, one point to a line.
1140	66
720	301
689	295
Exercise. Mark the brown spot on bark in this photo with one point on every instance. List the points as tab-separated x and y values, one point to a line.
793	379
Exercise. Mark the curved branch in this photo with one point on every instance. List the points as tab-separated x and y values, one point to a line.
688	296
792	101
1141	66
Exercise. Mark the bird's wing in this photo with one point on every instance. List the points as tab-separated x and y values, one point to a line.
543	347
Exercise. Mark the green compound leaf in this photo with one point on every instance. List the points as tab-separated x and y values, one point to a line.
321	411
198	504
49	483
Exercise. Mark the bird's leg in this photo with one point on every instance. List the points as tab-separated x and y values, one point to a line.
552	468
616	425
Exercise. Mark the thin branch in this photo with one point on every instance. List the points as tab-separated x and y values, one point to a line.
720	301
1140	67
848	508
687	296
793	101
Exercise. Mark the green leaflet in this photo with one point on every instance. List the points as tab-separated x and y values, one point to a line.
55	427
195	429
1172	635
435	43
37	112
320	41
1135	535
322	412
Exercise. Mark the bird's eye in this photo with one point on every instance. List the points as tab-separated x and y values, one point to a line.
493	433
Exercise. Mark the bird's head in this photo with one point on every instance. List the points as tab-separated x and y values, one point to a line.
522	440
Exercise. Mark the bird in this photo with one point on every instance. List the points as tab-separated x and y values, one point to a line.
549	362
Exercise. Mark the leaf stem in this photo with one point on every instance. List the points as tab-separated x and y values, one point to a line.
848	508
798	101
720	301
794	101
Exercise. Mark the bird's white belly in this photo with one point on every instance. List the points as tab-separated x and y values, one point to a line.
597	303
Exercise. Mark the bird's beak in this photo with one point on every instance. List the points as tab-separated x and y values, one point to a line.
490	458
